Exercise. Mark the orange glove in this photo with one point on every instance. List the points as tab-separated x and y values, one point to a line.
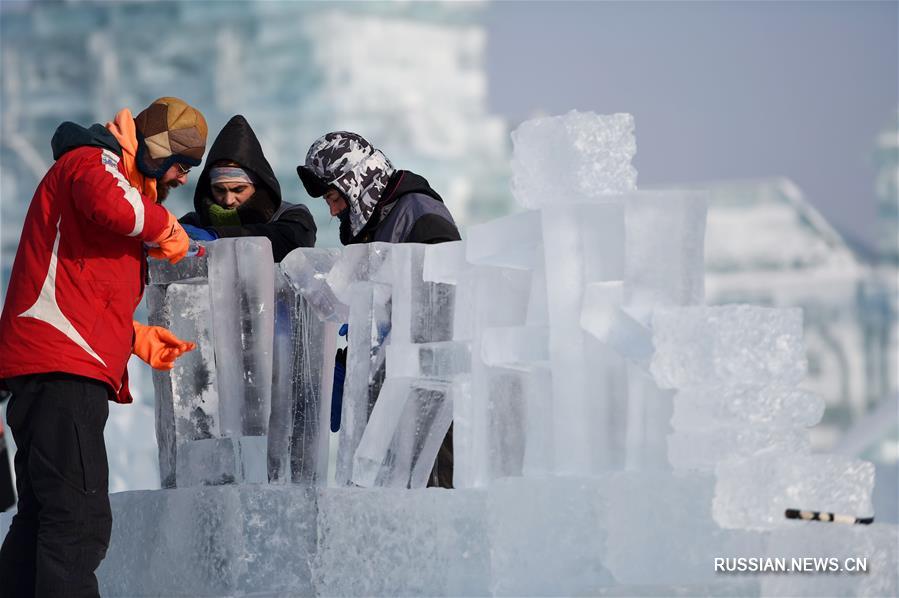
172	244
158	347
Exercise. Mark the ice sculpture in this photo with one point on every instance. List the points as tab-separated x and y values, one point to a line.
612	435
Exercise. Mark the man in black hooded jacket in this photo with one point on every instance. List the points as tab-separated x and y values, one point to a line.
376	202
236	163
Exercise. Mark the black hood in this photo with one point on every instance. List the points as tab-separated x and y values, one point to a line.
69	136
238	143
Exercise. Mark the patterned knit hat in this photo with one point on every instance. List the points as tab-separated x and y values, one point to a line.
169	130
349	163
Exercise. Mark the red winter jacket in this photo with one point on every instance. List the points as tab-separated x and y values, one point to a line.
80	267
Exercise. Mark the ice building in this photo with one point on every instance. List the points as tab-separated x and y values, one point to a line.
613	435
295	69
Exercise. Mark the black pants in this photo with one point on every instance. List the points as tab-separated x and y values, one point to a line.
61	531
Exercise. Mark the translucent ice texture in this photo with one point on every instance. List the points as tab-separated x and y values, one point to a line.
575	157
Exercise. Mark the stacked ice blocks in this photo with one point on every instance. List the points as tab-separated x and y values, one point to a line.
612	435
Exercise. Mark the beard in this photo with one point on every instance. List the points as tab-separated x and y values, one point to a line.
163	190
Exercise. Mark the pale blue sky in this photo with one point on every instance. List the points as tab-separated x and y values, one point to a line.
719	90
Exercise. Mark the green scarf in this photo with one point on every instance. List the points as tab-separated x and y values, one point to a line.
220	216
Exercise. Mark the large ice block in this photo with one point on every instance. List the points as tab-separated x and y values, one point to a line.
217	461
187	402
753	494
702	450
660	530
307	269
705	407
729	344
387	542
421	312
866	557
444	262
575	157
510	242
369	324
232	540
583	243
241	292
603	316
298	430
665	233
192	268
403	435
363	262
515	346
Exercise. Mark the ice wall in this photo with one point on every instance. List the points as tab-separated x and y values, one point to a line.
612	434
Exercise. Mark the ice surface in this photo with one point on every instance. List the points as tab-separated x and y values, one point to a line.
729	344
421	312
522	346
187	404
664	268
241	291
753	494
441	360
307	268
217	461
655	541
704	449
510	241
387	542
444	262
530	518
574	157
368	324
603	316
704	407
362	262
404	433
298	430
876	543
583	243
211	541
190	269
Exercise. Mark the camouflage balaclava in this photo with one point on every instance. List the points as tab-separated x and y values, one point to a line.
169	130
349	163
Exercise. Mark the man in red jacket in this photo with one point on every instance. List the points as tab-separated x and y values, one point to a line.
66	331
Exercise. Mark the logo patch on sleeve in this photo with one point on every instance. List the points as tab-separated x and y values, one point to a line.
110	159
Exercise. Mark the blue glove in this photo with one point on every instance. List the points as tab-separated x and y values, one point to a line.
199	234
337	388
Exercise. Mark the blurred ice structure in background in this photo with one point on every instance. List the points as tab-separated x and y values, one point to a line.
612	434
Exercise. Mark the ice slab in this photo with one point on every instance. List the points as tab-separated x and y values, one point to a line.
524	513
303	372
665	268
369	324
702	407
730	344
404	433
703	449
753	494
603	316
510	241
441	360
846	545
187	402
574	157
307	269
241	292
363	262
444	262
665	519
217	461
515	346
211	541
386	542
421	312
190	269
